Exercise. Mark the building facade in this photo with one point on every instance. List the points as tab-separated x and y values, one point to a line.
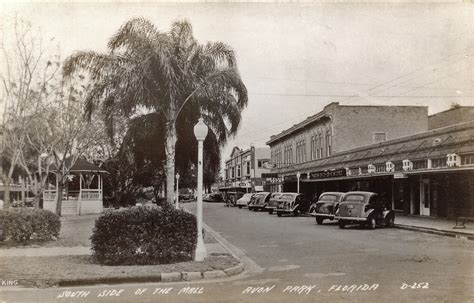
244	168
457	114
334	130
430	173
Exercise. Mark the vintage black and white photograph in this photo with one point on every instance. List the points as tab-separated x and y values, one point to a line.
286	151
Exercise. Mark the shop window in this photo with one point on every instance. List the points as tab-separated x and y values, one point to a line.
398	166
420	164
467	159
440	162
380	168
328	143
313	147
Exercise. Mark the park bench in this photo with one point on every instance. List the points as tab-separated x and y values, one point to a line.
461	221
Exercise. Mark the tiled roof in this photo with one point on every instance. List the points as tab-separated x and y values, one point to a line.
81	165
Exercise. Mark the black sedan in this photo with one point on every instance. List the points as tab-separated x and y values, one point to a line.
364	208
326	206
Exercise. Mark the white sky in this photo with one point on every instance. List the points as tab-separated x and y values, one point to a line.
296	58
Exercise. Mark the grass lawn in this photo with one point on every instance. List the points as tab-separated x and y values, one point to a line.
75	231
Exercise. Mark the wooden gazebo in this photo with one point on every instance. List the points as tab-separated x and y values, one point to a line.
82	194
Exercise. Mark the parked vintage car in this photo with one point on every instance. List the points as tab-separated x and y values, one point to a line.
326	206
232	197
259	201
292	203
273	202
365	208
244	200
213	197
186	194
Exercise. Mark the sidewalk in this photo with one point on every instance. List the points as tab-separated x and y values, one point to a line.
439	226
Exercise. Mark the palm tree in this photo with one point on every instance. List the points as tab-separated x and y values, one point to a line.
150	71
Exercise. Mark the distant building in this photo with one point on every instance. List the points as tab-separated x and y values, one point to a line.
451	116
244	168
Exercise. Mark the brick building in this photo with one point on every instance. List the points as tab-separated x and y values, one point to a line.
338	128
457	114
424	172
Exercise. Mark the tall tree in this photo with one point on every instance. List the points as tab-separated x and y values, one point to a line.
27	75
149	71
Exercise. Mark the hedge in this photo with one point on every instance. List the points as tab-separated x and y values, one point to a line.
143	236
25	224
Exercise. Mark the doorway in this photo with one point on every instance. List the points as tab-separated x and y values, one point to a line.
425	198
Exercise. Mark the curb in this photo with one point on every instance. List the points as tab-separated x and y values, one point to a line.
452	234
159	277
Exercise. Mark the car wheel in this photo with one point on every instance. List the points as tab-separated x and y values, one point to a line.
342	224
270	211
278	214
240	206
296	212
319	220
390	221
371	223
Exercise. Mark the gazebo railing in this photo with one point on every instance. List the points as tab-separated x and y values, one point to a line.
91	194
49	194
84	194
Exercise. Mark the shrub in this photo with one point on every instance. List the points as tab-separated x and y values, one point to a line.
24	224
144	236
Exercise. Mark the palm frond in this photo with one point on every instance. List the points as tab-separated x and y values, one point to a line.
94	63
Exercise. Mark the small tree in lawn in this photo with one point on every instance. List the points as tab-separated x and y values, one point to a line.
73	135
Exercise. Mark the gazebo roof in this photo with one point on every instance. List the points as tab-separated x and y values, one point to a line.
81	165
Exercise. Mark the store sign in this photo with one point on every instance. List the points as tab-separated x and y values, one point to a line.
294	178
273	181
399	176
244	184
258	188
328	174
269	175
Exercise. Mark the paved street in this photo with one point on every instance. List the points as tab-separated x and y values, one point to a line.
293	259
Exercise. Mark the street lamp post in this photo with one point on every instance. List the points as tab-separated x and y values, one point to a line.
177	191
298	175
200	131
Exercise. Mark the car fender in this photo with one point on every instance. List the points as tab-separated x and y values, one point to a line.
387	213
368	213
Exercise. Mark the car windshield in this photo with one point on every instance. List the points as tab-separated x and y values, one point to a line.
354	198
329	198
247	196
276	196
